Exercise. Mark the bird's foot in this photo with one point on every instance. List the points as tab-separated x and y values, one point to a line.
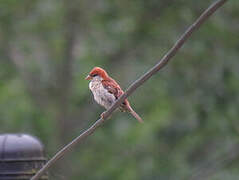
102	115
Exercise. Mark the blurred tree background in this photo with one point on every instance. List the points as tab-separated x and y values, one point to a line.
190	108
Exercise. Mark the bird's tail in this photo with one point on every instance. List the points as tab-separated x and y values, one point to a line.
135	115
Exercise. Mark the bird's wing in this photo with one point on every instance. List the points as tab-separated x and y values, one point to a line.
112	87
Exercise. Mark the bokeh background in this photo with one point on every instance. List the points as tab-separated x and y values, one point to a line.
190	108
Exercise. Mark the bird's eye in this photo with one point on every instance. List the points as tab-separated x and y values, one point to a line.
94	75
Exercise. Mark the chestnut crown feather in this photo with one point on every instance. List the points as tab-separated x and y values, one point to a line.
97	71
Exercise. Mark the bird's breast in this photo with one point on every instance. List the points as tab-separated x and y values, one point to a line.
101	95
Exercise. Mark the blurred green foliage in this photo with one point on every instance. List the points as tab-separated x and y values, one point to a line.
190	108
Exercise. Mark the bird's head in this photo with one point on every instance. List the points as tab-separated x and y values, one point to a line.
97	72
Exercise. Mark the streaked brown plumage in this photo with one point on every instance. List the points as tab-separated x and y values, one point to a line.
106	91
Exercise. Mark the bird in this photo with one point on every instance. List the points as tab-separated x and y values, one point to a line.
106	91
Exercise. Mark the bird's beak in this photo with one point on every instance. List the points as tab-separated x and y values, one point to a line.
88	77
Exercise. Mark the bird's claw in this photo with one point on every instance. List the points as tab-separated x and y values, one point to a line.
102	115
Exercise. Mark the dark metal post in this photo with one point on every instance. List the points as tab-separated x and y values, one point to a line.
21	156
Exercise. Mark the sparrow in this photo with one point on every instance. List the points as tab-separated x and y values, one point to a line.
106	91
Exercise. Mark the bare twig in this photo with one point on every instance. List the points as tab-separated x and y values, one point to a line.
205	15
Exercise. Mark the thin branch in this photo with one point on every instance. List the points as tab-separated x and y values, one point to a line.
205	15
